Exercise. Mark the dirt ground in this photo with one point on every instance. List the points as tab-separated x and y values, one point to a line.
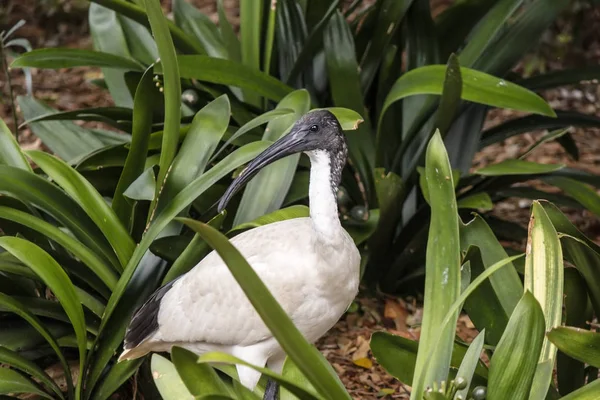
572	41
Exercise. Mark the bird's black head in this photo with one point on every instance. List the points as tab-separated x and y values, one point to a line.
318	130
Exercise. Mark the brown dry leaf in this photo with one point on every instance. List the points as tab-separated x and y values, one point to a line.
397	313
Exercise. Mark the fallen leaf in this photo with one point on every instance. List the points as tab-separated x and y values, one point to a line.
363	362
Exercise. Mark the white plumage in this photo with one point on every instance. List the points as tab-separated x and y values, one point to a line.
310	265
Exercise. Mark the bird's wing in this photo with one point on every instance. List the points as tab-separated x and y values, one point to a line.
207	305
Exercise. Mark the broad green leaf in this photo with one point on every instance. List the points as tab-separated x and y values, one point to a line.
469	364
168	381
15	360
481	201
254	123
199	26
451	95
10	152
96	264
12	382
346	91
290	371
523	33
139	40
349	119
570	372
514	361
389	18
143	187
300	392
266	192
545	280
297	211
398	355
48	197
109	115
115	378
578	343
145	97
228	34
206	131
90	200
486	31
517	167
59	282
63	138
361	231
442	282
216	70
588	392
506	283
251	15
109	38
67	58
168	57
478	87
200	379
14	306
582	193
312	364
136	13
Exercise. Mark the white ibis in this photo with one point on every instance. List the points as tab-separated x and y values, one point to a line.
310	265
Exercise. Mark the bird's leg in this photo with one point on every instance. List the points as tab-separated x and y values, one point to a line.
272	390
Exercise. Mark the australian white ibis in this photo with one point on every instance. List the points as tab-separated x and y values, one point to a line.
310	265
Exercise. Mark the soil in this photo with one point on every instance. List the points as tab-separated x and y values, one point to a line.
572	41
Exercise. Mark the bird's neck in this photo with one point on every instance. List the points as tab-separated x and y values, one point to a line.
324	180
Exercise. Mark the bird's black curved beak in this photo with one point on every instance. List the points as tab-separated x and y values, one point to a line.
289	144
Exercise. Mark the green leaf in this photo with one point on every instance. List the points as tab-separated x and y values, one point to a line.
10	152
570	373
216	70
222	358
478	87
550	136
480	201
389	18
96	264
312	364
65	139
108	37
506	284
398	356
60	284
109	115
206	131
290	371
562	77
167	380
361	231
143	188
136	13
523	33
14	306
266	192
139	40
38	191
228	34
578	343
469	363
145	97
13	382
297	211
15	360
346	91
588	392
442	282
582	193
200	379
251	15
514	361
68	58
486	30
199	26
349	119
172	86
545	280
517	167
90	200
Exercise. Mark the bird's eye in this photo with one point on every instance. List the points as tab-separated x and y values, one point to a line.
314	128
